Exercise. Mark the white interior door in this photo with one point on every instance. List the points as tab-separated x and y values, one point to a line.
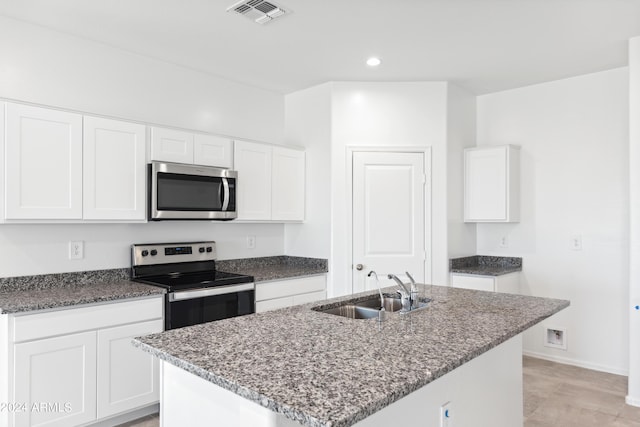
388	216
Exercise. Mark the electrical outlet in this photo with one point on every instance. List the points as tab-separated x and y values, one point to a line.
446	415
76	249
504	242
251	242
576	242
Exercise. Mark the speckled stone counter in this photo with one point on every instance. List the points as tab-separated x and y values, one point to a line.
325	370
485	265
274	267
28	293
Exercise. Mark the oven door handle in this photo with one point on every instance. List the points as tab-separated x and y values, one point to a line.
207	292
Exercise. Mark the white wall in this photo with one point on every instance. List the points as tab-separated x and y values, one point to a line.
634	201
42	66
47	67
308	124
27	249
574	180
387	114
461	133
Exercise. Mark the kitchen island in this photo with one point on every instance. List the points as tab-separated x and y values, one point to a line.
462	352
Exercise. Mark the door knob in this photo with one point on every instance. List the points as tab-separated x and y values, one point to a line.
359	267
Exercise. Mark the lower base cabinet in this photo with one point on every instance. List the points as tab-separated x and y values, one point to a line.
127	376
286	293
55	381
506	283
77	366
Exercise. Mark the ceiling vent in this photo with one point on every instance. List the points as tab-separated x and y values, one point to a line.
259	11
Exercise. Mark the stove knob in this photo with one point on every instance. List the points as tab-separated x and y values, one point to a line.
154	252
209	249
201	250
145	252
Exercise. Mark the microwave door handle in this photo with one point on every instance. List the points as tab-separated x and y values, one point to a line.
225	194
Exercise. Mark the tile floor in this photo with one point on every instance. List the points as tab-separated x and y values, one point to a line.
556	395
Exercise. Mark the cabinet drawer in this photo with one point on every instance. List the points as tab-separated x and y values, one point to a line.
289	287
273	304
34	326
478	283
310	297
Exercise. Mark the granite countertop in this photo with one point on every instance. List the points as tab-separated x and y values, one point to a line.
29	293
327	370
485	265
274	267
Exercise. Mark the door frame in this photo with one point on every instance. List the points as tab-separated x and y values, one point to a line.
426	152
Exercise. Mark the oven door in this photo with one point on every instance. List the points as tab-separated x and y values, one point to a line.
191	192
186	308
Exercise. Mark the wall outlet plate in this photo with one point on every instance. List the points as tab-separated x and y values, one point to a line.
446	415
76	249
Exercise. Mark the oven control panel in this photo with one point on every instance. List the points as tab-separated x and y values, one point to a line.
168	253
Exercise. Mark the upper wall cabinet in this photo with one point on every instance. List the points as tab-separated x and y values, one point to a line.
169	145
253	163
55	170
43	163
492	184
271	182
114	170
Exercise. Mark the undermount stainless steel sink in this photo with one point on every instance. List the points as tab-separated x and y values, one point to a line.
353	311
370	307
390	303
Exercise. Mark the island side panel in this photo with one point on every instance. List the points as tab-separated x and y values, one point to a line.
188	400
485	392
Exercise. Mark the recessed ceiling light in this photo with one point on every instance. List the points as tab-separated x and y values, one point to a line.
373	61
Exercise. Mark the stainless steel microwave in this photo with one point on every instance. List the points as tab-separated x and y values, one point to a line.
191	192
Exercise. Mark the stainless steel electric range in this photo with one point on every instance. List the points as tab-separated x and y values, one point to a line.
196	291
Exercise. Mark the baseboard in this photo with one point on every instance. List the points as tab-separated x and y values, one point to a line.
578	363
128	416
633	401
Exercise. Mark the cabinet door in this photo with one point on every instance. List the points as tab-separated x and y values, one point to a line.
210	150
168	145
288	184
56	379
127	376
114	170
486	184
43	163
253	163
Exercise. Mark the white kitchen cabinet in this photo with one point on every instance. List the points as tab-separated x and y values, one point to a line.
58	371
285	293
82	356
288	184
43	163
271	182
506	283
252	161
211	150
114	170
176	146
492	184
127	377
169	145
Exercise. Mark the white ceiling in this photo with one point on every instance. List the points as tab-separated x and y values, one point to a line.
482	45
